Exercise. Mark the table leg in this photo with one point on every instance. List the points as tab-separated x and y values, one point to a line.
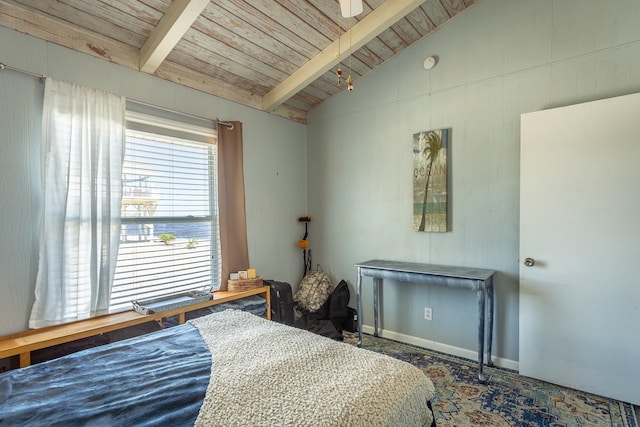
490	331
359	306
481	313
376	304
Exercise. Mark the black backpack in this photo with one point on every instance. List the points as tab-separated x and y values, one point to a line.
328	319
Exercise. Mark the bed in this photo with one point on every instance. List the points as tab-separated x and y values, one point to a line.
230	368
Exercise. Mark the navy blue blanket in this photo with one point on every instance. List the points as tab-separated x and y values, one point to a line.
152	380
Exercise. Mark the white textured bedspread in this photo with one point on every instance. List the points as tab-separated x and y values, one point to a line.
268	374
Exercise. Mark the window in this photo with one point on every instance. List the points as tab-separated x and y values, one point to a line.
169	239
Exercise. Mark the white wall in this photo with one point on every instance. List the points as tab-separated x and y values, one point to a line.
497	60
274	156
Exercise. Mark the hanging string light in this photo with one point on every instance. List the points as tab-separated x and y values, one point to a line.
339	70
349	78
347	12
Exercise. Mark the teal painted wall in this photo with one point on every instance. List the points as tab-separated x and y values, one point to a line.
497	60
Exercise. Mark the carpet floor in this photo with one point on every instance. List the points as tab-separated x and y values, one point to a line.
507	399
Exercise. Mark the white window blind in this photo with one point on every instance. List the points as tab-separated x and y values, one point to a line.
169	240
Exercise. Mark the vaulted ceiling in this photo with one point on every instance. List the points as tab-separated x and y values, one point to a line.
279	56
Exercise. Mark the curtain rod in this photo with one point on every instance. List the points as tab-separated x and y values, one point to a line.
229	126
4	66
169	110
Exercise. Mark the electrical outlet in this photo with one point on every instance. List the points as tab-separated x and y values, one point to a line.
427	313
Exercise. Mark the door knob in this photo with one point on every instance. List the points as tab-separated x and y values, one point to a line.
529	262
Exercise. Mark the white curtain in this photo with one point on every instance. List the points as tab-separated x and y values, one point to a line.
82	154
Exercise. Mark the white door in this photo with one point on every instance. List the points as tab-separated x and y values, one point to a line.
580	223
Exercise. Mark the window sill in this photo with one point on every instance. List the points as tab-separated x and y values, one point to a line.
23	343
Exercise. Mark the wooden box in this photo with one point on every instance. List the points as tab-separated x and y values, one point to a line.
244	284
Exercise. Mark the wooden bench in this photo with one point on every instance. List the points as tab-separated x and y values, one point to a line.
23	343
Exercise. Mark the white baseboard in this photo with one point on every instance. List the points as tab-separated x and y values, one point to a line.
443	348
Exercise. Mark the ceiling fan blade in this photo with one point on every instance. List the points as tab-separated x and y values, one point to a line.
350	8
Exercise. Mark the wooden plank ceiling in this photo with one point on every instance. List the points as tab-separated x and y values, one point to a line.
279	56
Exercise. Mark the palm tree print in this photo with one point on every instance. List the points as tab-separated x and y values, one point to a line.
428	149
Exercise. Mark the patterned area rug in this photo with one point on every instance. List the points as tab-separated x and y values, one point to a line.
507	399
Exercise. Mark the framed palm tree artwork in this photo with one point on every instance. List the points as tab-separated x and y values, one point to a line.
430	180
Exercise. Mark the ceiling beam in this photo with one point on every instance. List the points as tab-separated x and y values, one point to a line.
381	18
178	18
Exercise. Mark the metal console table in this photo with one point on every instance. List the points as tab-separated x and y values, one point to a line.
479	280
